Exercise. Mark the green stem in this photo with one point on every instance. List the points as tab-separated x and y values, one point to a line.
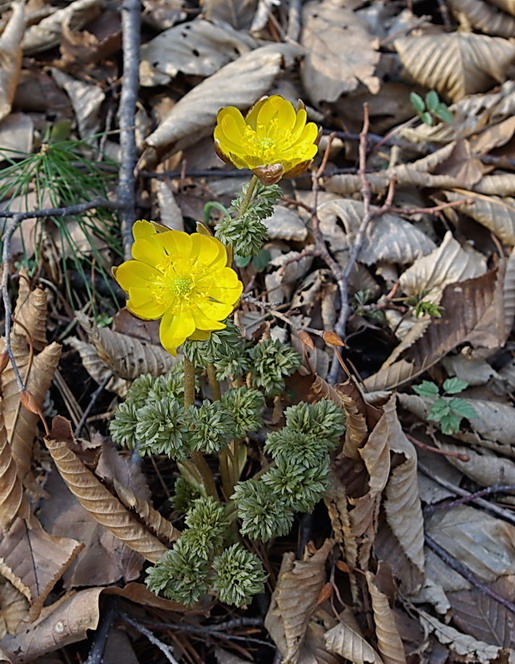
248	196
197	457
214	385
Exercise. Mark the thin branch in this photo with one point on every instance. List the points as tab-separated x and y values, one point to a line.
458	491
467	574
264	306
166	650
91	403
131	19
497	488
368	215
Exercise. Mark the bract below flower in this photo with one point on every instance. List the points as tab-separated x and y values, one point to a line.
182	279
273	140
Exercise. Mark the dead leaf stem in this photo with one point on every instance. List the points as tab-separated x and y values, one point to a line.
166	650
131	19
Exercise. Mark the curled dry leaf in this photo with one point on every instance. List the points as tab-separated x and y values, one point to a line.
389	641
466	647
33	561
97	369
198	48
294	600
14	608
95	497
30	314
494	212
86	100
484	17
10	58
472	312
345	639
285	224
20	423
455	64
12	500
239	83
340	51
447	264
47	33
389	238
429	171
101	39
163	528
402	502
126	356
483	466
506	5
483	543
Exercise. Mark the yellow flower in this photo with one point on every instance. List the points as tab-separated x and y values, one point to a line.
273	140
182	279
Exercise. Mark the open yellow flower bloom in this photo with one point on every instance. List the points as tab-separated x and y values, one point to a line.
182	279
273	140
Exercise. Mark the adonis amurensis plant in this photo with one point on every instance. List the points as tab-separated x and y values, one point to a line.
212	402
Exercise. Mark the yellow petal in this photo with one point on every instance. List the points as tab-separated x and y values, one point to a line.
142	304
176	243
175	329
208	251
200	335
143	229
252	115
148	251
208	314
135	274
300	123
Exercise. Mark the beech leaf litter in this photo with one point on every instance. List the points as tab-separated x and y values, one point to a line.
407	213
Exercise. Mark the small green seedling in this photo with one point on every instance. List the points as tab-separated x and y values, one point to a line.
430	107
447	410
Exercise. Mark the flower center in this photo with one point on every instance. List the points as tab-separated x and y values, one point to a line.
181	285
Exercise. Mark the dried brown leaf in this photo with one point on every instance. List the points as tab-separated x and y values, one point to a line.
105	559
163	528
34	561
98	42
466	647
483	617
96	498
238	84
126	356
97	369
481	542
198	48
473	313
30	314
21	424
12	500
506	5
10	58
447	264
455	64
484	17
294	600
47	33
341	53
402	503
68	620
345	639
14	608
389	641
483	466
389	238
494	212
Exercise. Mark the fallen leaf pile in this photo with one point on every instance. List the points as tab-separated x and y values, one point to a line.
411	556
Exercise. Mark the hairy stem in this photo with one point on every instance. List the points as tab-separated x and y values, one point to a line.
248	196
214	385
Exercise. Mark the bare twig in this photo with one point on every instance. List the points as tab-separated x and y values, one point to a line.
96	653
467	574
91	403
497	488
481	502
131	17
166	650
368	215
436	450
264	306
430	210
